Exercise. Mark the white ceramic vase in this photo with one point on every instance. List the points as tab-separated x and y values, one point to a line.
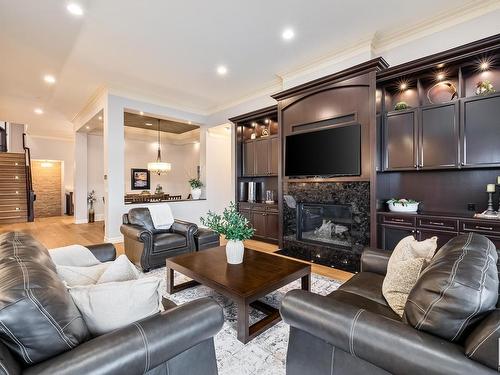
234	252
196	193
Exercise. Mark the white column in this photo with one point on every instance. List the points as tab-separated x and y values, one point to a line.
203	159
80	178
114	165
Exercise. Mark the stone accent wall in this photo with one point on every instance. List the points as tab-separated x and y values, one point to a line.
354	194
47	187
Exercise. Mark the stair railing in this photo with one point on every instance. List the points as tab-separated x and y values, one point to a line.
30	194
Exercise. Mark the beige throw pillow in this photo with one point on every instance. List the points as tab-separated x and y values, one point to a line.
75	276
406	263
109	306
121	269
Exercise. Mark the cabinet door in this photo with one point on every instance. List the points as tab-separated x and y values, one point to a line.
481	131
443	237
249	158
400	141
438	146
259	223
274	155
262	157
247	215
272	228
390	236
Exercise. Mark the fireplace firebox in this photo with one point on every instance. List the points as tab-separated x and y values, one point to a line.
326	224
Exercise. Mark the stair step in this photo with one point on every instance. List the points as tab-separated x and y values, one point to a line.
16	214
14	219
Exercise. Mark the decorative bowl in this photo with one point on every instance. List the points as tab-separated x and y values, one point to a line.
403	205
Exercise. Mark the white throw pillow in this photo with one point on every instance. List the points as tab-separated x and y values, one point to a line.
405	265
76	276
109	306
121	269
73	255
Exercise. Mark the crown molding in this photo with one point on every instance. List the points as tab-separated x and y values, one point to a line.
333	57
270	88
441	21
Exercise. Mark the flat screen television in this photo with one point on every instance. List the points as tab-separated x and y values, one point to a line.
329	152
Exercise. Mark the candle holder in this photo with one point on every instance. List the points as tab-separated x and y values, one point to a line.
490	210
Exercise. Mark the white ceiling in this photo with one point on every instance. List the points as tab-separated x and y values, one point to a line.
170	49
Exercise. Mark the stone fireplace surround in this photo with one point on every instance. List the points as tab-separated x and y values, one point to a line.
354	194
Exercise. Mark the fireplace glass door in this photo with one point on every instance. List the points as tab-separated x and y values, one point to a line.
327	224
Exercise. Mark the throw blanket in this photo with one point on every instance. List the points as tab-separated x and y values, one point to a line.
161	215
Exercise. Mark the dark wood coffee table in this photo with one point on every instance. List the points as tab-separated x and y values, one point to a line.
258	275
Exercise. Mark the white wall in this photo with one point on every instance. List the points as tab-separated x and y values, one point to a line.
219	181
184	159
54	149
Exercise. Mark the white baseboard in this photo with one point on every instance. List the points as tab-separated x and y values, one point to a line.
81	221
117	239
99	217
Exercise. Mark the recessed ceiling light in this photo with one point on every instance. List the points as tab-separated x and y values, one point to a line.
141	113
403	86
189	122
49	79
38	111
288	34
100	118
87	127
75	9
439	66
221	70
440	76
485	65
148	124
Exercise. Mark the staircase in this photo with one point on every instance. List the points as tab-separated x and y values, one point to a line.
13	188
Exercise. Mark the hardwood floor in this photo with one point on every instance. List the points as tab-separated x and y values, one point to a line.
61	231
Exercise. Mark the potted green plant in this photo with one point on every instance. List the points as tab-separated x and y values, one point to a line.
91	199
235	228
196	186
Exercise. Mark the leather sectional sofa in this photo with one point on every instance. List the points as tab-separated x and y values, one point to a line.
354	331
42	331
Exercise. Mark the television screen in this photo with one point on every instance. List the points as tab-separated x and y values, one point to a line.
329	152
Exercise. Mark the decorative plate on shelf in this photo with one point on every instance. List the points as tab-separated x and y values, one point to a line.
442	92
403	205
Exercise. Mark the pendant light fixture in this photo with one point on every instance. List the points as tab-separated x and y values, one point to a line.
158	166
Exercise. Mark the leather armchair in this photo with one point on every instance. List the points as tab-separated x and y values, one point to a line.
149	247
353	331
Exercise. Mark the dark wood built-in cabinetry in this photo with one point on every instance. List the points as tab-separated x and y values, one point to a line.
257	162
260	157
264	219
393	227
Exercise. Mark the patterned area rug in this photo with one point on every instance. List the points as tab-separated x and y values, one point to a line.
265	354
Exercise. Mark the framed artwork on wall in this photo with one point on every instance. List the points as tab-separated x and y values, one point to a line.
139	179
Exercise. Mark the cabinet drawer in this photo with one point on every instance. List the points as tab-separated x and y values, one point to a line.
398	220
244	206
480	227
437	223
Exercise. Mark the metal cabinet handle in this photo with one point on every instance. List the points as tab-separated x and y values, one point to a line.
415	166
436	223
484	228
398	220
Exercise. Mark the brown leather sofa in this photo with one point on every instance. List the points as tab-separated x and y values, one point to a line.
42	332
354	331
149	247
